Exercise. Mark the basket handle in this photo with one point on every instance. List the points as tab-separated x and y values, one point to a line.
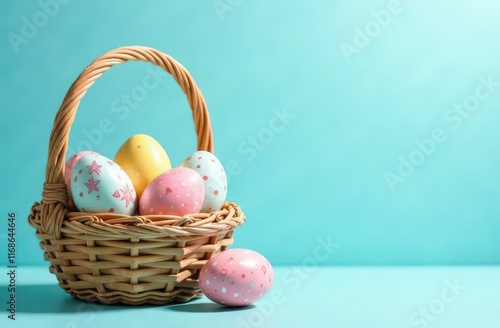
55	193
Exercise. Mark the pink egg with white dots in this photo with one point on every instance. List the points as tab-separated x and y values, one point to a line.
178	191
236	277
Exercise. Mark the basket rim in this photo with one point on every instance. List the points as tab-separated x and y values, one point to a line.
143	226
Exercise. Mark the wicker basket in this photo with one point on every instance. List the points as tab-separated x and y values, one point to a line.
113	258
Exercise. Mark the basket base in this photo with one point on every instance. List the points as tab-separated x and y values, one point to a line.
150	298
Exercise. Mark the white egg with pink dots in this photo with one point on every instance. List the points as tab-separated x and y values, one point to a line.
214	178
236	277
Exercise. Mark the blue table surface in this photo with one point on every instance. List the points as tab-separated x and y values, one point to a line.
344	297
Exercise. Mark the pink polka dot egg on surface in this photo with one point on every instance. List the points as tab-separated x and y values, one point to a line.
236	277
178	191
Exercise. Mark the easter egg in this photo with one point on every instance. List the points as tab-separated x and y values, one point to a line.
178	191
143	158
70	163
236	277
100	185
214	179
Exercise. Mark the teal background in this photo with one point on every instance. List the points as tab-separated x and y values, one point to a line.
322	176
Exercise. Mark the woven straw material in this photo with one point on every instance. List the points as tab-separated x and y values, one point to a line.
114	258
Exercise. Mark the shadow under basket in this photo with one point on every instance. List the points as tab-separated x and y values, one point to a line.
114	258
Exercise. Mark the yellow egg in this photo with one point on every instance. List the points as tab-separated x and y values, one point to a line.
143	159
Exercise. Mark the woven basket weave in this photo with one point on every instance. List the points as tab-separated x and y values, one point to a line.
113	258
